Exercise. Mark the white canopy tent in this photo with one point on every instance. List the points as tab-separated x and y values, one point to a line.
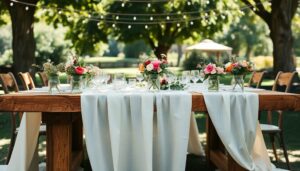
210	46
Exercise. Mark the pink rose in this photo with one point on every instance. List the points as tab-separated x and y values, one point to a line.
210	69
156	64
80	70
220	70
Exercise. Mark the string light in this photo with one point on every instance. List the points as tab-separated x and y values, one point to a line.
177	18
114	25
59	12
178	24
123	4
146	26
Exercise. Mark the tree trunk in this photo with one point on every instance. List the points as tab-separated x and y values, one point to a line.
180	53
281	35
161	49
23	44
248	52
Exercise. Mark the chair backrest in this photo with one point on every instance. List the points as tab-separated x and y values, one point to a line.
27	80
256	79
9	82
284	79
44	78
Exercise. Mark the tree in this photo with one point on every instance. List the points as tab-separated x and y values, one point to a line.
279	20
23	44
172	23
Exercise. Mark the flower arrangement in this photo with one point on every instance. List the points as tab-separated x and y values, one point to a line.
52	70
75	66
212	69
239	68
152	68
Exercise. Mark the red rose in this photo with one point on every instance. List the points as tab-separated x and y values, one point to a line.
147	62
80	70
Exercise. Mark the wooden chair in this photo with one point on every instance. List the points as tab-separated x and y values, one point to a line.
44	78
27	81
10	85
276	130
256	79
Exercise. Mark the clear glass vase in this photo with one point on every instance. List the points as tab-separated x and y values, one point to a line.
76	83
53	83
213	83
238	83
153	83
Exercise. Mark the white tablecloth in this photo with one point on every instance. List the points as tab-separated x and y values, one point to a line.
235	118
123	133
24	156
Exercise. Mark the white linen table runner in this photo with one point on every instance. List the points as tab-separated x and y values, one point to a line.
235	118
124	134
24	156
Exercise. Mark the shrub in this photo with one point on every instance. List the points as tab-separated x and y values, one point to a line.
191	62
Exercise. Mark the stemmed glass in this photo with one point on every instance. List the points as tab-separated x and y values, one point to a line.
185	77
170	78
139	77
201	75
195	76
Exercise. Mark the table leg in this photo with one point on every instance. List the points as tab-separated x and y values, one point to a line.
216	154
64	141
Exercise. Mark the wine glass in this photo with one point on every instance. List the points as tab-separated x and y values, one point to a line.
139	77
170	78
201	75
195	76
185	77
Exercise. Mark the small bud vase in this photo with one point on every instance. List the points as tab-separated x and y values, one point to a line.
213	83
53	83
238	83
76	83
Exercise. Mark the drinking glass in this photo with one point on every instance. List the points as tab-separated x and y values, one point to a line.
201	75
195	76
139	77
170	78
185	77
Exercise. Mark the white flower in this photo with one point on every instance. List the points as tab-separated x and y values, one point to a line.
149	67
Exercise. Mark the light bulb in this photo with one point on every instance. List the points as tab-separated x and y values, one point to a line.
191	23
178	25
98	24
146	26
114	25
26	8
101	16
168	18
117	17
162	26
129	26
59	12
189	3
184	16
11	4
151	18
149	5
123	4
134	18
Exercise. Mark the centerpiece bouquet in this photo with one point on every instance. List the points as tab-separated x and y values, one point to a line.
75	68
52	72
153	69
239	69
212	73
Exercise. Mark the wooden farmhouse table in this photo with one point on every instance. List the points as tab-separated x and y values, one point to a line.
62	116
